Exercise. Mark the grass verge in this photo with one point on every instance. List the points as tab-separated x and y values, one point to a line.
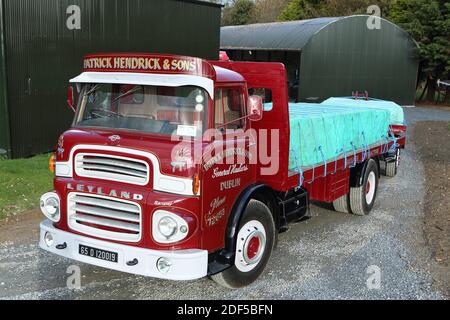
22	182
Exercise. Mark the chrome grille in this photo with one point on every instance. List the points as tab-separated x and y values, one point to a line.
115	168
104	217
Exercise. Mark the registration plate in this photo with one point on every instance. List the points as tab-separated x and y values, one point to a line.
98	254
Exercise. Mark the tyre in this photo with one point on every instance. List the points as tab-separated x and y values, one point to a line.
254	246
342	204
363	198
392	166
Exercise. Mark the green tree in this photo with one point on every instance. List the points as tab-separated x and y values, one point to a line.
308	9
428	22
302	9
267	10
238	12
226	15
350	7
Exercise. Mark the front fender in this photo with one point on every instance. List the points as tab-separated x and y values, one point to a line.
224	259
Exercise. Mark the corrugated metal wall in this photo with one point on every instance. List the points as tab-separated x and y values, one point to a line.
42	54
291	59
4	118
347	56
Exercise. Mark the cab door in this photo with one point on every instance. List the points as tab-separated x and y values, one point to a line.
229	165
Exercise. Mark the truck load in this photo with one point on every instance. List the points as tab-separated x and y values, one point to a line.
396	113
321	133
179	168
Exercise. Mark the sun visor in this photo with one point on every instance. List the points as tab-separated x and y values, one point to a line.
165	80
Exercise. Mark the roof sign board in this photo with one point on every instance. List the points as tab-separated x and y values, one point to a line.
148	63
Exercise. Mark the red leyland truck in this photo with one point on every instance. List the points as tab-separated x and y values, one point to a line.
180	168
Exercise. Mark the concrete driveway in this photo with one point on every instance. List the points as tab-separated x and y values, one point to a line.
330	256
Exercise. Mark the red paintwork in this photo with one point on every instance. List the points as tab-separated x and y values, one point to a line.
329	187
216	197
398	129
157	144
368	187
270	76
223	56
226	76
253	247
183	206
399	132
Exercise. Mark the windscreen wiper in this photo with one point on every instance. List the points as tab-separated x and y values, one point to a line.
127	93
92	90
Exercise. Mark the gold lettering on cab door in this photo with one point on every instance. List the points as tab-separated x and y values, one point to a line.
214	216
231	184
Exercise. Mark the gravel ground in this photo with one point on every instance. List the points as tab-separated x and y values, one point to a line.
433	145
326	257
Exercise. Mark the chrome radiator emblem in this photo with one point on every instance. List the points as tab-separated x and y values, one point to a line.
114	138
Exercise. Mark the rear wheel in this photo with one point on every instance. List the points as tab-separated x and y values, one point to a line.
342	204
363	198
254	246
392	166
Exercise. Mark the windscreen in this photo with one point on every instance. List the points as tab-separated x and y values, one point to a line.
148	109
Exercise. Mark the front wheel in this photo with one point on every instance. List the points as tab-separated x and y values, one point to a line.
254	246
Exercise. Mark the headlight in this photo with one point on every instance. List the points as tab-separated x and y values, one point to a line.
48	239
163	265
50	206
169	227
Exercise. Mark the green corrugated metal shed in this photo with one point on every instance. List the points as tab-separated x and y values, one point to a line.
39	54
4	117
333	56
285	36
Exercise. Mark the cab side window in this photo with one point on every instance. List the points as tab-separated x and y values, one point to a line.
229	109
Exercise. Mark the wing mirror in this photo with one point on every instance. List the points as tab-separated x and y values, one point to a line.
71	98
255	108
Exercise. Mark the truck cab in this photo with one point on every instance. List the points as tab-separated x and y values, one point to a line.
134	189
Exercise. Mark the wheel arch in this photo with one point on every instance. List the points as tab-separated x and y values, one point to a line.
357	173
259	192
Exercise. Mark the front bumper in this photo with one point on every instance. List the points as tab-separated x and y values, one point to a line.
186	264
